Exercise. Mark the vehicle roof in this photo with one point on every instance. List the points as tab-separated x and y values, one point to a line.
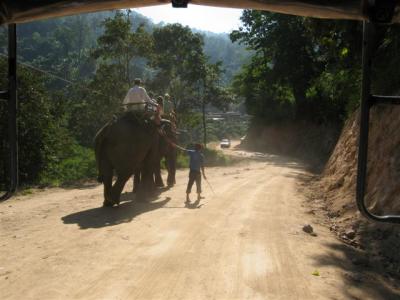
19	11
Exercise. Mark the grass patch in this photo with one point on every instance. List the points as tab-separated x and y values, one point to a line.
80	164
26	191
215	158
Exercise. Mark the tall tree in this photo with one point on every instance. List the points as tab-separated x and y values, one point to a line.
179	62
119	45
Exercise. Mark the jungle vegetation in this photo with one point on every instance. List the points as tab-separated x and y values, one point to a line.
75	71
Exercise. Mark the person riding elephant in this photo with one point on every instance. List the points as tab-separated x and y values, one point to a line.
169	110
136	98
123	146
168	105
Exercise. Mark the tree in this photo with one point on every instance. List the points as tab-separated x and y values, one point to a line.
42	137
179	62
119	45
303	68
284	50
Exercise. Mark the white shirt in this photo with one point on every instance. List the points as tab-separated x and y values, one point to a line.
136	98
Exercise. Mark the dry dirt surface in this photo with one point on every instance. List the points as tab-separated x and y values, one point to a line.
242	241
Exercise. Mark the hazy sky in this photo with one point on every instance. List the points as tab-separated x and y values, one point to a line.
201	17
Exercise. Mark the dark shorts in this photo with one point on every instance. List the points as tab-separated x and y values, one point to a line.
194	176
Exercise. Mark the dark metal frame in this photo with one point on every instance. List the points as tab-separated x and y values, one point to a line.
11	96
367	101
180	3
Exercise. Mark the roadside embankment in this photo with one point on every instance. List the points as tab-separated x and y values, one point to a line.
310	142
336	186
332	190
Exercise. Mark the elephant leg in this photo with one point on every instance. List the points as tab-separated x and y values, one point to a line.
119	186
171	165
107	176
147	185
136	181
157	175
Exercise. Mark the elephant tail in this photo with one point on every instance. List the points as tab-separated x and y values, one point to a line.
98	141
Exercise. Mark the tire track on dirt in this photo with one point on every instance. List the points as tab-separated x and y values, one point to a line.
152	269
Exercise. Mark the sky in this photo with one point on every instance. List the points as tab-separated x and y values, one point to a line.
200	17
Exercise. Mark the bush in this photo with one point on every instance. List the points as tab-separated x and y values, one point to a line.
216	158
182	160
212	158
79	164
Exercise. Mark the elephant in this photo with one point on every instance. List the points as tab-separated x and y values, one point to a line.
123	146
168	151
165	150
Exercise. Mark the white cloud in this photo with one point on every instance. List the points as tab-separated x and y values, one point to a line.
201	17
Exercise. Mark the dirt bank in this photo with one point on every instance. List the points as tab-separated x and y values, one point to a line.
333	191
304	140
336	187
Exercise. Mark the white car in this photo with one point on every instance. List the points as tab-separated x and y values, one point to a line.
225	143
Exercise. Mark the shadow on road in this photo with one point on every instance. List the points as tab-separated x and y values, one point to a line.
193	205
108	216
358	276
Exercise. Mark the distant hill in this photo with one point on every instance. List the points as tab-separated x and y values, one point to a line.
41	37
219	47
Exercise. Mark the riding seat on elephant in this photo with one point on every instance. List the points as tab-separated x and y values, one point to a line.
123	146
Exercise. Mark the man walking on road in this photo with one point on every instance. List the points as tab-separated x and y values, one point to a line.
196	166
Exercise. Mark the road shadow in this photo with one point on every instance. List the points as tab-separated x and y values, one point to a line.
360	276
80	185
109	216
379	242
282	158
270	158
193	205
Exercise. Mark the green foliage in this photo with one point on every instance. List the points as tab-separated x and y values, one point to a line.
79	163
386	77
213	91
93	104
219	48
302	68
337	95
228	128
119	46
182	160
40	133
178	52
214	158
179	62
94	59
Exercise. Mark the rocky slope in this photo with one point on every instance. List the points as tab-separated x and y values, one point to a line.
332	193
310	142
336	187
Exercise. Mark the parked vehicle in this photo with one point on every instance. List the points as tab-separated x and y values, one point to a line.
225	143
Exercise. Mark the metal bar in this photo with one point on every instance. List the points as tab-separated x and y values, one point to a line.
378	99
366	104
12	111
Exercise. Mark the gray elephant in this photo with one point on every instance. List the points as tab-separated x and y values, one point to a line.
122	147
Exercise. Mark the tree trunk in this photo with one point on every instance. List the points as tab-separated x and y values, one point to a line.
204	123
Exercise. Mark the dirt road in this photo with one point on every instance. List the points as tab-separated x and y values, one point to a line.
244	242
